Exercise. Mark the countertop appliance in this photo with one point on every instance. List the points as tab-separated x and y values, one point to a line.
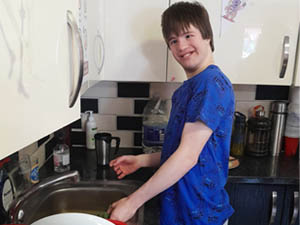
278	113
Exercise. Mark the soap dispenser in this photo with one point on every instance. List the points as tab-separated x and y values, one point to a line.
91	130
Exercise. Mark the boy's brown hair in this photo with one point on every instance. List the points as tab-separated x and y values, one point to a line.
179	16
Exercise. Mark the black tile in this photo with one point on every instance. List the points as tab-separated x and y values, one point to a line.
89	104
78	138
137	90
137	139
129	123
268	92
139	106
42	140
76	124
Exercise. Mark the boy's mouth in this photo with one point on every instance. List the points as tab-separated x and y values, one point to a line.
186	55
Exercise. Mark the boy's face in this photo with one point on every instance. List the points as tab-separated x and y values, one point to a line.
190	50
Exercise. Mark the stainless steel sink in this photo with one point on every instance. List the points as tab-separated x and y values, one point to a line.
91	197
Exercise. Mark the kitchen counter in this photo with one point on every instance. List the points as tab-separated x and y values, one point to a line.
265	170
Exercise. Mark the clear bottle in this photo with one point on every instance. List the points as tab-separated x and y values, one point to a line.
238	134
155	120
61	157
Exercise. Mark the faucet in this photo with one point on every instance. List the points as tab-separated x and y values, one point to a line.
73	176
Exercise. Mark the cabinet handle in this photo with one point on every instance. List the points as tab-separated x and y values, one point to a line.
296	208
74	29
99	62
274	207
285	55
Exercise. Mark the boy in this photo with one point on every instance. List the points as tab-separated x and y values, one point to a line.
194	160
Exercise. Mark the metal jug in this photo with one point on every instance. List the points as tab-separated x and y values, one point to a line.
103	147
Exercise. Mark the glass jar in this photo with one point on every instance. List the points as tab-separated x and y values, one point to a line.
238	134
258	135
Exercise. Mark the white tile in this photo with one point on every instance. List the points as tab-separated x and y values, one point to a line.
102	89
106	122
164	90
246	107
244	92
116	106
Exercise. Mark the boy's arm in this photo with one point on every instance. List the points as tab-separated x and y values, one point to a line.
194	137
149	160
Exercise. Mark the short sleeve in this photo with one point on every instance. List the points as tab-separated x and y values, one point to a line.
211	99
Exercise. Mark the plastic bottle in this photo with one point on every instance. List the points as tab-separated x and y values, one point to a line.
292	129
238	134
155	120
61	156
34	173
91	130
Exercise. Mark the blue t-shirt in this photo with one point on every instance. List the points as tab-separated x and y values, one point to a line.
199	197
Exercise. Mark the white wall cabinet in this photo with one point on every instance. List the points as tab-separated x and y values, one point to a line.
40	70
91	26
296	81
258	46
134	45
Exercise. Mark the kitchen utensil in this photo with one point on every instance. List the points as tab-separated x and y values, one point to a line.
238	134
258	134
278	113
103	147
75	219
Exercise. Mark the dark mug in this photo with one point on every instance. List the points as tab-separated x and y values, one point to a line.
103	147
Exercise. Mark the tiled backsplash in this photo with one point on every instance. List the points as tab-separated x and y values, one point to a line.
118	109
118	106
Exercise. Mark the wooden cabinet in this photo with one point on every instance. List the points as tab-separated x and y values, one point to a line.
134	45
263	204
258	46
40	70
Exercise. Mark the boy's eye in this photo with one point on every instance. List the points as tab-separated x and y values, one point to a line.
173	41
187	36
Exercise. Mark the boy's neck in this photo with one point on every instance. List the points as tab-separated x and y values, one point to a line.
208	62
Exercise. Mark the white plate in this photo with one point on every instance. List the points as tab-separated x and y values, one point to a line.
72	219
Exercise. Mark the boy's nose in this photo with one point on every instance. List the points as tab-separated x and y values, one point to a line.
181	45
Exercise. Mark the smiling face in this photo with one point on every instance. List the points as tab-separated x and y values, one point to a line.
190	50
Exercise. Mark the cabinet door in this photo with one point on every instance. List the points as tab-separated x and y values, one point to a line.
291	206
175	72
256	204
91	23
256	44
38	63
134	45
296	80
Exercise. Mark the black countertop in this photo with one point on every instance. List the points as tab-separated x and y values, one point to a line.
266	170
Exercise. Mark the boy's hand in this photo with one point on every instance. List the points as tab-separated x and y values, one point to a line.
125	165
121	210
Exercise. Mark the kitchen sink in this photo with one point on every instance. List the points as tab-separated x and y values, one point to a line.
93	197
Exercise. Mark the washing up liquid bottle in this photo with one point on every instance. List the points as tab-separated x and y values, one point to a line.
91	130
